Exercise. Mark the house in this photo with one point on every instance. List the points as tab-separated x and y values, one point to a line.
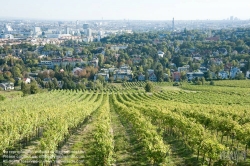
176	76
7	86
104	75
248	74
243	63
136	60
150	71
94	62
234	71
141	77
117	48
172	65
160	54
223	74
193	75
76	71
197	59
184	68
212	39
223	51
48	64
123	72
67	60
27	80
152	77
203	69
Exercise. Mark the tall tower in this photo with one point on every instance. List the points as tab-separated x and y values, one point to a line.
89	32
173	25
66	30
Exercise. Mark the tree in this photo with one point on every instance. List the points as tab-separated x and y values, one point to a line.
149	87
16	72
101	59
25	88
208	75
240	76
34	88
183	75
1	78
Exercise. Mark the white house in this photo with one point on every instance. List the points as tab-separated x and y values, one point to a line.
248	74
160	54
7	86
27	80
76	71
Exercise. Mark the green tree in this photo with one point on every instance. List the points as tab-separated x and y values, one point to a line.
25	88
149	87
34	87
240	76
101	59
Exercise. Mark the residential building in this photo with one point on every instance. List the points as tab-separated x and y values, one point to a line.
88	32
193	75
27	80
94	62
141	77
152	77
234	71
176	76
160	54
7	86
77	71
183	69
223	74
104	75
123	73
248	74
67	60
116	48
48	64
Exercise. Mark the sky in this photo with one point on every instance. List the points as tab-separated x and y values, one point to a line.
125	9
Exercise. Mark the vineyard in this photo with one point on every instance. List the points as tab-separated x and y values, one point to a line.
124	125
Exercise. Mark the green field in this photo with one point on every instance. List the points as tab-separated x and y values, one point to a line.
124	125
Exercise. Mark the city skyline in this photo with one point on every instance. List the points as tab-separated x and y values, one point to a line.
129	10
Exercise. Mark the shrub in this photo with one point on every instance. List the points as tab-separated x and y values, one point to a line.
2	98
176	84
198	83
211	83
149	87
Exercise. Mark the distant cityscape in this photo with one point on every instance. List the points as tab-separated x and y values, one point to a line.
39	32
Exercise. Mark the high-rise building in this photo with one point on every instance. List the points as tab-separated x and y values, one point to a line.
100	33
88	32
7	28
37	31
77	22
173	25
66	30
232	18
85	26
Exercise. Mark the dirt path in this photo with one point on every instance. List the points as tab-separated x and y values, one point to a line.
124	148
75	149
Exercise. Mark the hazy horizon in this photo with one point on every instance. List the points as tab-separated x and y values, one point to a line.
129	10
